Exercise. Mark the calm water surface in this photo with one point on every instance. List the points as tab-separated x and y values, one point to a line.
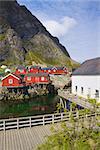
34	106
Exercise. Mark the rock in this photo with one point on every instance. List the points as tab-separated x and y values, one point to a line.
22	35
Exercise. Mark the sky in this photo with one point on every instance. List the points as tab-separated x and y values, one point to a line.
75	22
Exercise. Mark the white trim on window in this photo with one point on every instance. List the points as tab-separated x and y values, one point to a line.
29	78
42	78
10	81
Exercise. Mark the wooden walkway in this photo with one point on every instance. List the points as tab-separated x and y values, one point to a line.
76	99
24	139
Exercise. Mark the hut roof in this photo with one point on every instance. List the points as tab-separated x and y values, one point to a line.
35	67
36	74
21	67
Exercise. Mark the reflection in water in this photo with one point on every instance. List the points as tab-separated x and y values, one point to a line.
34	106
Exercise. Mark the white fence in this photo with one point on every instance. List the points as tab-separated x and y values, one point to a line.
31	121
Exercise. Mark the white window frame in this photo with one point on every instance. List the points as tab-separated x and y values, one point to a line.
49	70
42	78
28	78
10	81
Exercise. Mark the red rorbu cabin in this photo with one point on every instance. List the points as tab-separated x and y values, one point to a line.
20	70
11	80
61	70
34	69
46	70
37	78
55	70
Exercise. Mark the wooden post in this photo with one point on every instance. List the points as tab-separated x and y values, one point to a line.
53	118
61	116
43	121
30	122
95	114
86	116
65	104
61	102
4	125
77	114
17	123
69	115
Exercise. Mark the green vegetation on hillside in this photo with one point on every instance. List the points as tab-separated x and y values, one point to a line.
31	56
38	58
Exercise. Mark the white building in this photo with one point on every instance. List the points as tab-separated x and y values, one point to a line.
86	79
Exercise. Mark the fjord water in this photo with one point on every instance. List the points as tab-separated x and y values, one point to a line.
35	106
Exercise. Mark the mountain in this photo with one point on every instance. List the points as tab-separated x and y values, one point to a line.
23	38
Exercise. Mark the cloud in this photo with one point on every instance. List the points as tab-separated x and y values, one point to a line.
61	27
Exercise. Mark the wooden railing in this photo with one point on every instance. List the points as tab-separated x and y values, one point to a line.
17	123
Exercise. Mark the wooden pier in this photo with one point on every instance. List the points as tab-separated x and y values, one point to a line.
27	133
24	139
76	99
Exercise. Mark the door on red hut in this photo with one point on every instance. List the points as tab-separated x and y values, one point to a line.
42	79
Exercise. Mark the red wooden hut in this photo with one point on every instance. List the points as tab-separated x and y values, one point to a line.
60	70
55	70
12	80
36	78
34	69
20	70
46	70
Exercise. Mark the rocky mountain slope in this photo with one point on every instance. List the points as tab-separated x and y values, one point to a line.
23	38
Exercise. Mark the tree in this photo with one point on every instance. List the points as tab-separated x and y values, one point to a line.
80	137
68	139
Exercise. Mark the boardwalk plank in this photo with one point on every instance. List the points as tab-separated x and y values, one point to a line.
23	139
1	140
18	142
20	139
31	137
7	140
27	139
